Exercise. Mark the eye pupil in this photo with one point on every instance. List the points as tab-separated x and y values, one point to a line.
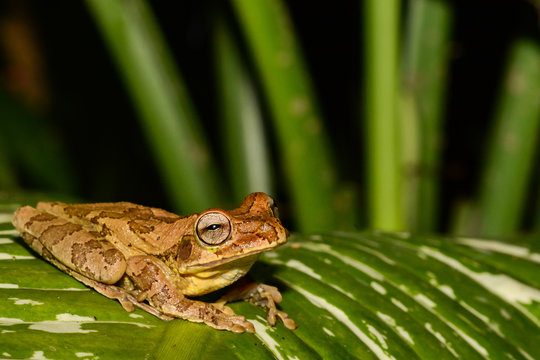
213	227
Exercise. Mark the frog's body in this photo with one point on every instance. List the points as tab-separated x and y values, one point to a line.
135	254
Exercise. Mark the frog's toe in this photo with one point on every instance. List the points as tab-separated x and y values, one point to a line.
271	291
238	329
273	313
247	326
127	305
290	324
236	324
241	321
223	308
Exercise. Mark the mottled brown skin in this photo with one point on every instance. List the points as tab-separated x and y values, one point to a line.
152	259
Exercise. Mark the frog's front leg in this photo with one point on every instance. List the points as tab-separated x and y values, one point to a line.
262	295
149	275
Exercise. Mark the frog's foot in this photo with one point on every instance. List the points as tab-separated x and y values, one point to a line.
262	295
218	316
222	317
267	296
236	324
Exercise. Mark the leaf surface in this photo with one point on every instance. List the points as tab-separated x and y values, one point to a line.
362	295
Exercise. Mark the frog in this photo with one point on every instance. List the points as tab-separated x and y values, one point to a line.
160	262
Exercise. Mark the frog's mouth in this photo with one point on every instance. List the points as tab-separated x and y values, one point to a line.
219	264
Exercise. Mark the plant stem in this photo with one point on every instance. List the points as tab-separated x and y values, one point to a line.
158	92
302	141
382	135
425	61
513	143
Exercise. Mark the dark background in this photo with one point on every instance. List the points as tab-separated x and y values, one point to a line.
88	108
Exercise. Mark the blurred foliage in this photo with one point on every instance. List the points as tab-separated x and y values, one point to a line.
344	119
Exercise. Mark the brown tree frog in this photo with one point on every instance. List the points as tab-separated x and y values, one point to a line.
151	259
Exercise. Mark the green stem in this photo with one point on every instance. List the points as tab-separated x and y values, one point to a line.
425	61
384	166
513	144
303	144
167	115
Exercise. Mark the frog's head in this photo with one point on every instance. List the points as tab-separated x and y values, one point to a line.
223	241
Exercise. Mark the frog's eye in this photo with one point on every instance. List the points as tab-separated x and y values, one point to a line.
213	228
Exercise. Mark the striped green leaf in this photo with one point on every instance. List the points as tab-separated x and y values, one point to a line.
354	295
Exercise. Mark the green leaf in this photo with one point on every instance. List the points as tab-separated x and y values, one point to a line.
367	295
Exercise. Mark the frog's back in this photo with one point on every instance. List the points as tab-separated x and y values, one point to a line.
115	210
